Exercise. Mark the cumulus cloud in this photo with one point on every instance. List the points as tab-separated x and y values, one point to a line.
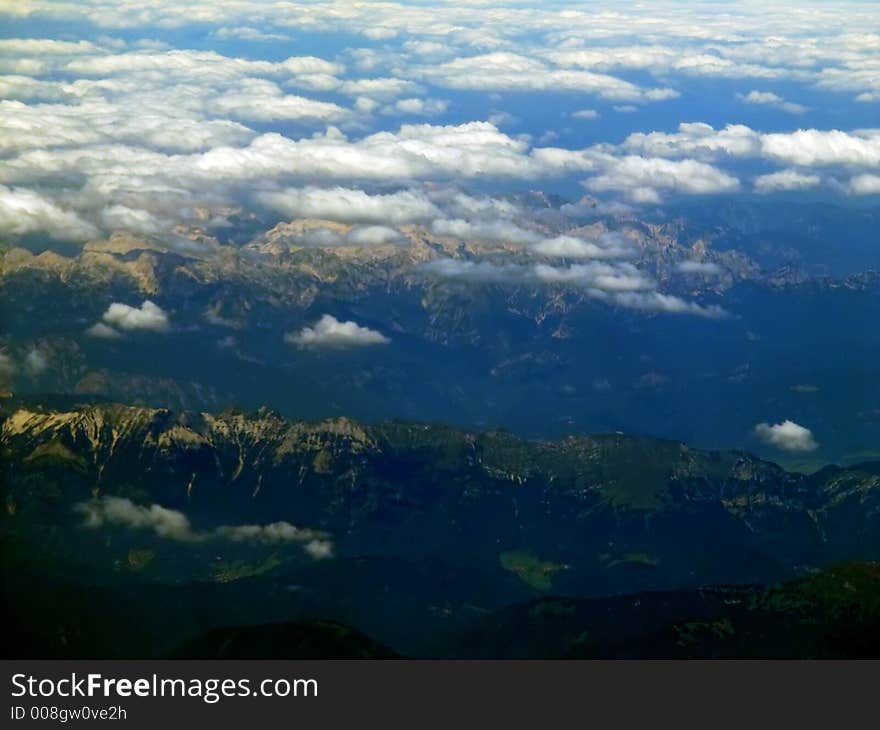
372	236
607	245
506	71
813	147
148	316
172	524
78	117
121	512
768	98
24	212
788	436
801	149
644	179
420	107
102	331
347	205
865	185
496	230
356	236
246	33
329	332
263	101
786	180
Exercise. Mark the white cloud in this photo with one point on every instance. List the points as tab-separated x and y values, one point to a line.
813	147
246	33
329	332
363	235
346	205
643	179
121	512
585	114
786	180
473	271
621	284
495	230
319	549
372	236
658	302
704	268
804	148
24	212
697	139
788	436
865	185
101	331
260	100
275	532
768	98
506	71
421	107
607	245
172	524
148	316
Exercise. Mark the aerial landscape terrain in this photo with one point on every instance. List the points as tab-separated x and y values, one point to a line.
474	329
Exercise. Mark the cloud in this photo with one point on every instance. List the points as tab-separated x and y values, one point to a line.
473	271
324	237
621	284
813	147
803	148
496	230
698	140
421	107
78	117
172	524
768	98
785	180
260	100
658	302
245	33
101	331
607	245
275	532
329	332
24	212
585	114
788	436
372	236
117	511
7	366
319	549
506	71
704	268
148	316
347	205
642	179
864	185
36	362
